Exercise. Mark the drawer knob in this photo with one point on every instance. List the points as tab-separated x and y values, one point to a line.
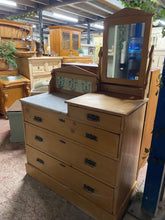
91	136
89	188
38	138
37	118
89	162
61	119
40	160
92	117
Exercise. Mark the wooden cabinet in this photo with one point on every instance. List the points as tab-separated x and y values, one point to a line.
12	88
90	150
65	41
38	68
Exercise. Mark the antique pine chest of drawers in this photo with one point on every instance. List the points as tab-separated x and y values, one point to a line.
85	148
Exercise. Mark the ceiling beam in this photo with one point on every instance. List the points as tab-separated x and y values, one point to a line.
98	7
43	2
53	3
77	12
115	4
81	8
27	3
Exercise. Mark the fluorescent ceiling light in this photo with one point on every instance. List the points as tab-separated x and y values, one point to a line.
63	17
162	22
6	2
98	26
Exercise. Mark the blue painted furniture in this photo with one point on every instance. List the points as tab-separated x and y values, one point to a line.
14	114
154	184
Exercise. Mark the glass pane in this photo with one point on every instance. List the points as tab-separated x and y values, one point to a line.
66	41
75	42
124	51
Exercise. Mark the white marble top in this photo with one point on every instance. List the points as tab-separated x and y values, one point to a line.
54	102
82	64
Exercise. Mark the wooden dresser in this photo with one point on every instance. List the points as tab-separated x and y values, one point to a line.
38	68
88	154
86	147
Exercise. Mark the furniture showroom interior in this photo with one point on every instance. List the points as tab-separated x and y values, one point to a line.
82	99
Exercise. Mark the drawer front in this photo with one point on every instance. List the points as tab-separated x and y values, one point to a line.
74	154
38	68
88	187
96	139
99	140
50	120
97	119
53	65
45	77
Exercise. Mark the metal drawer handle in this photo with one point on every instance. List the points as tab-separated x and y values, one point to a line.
62	141
90	162
89	189
40	160
62	165
62	120
37	118
38	138
92	117
91	136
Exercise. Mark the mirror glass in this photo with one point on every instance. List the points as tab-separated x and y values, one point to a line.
124	51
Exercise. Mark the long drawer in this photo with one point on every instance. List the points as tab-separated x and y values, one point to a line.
74	154
95	191
105	121
99	140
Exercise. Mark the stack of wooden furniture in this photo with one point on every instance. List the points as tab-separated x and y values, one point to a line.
15	30
13	86
83	138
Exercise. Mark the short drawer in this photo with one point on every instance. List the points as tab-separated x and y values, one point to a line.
53	65
105	121
38	68
100	194
44	118
74	154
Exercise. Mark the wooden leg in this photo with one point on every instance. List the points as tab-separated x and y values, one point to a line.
4	100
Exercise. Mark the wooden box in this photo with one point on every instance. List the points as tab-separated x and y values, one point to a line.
14	114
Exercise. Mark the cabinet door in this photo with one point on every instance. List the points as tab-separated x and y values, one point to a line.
65	43
75	42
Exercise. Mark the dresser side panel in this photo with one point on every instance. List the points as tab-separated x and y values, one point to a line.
130	149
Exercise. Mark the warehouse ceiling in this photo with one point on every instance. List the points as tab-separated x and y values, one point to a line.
84	12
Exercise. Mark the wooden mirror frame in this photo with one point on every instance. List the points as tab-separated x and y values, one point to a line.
128	16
